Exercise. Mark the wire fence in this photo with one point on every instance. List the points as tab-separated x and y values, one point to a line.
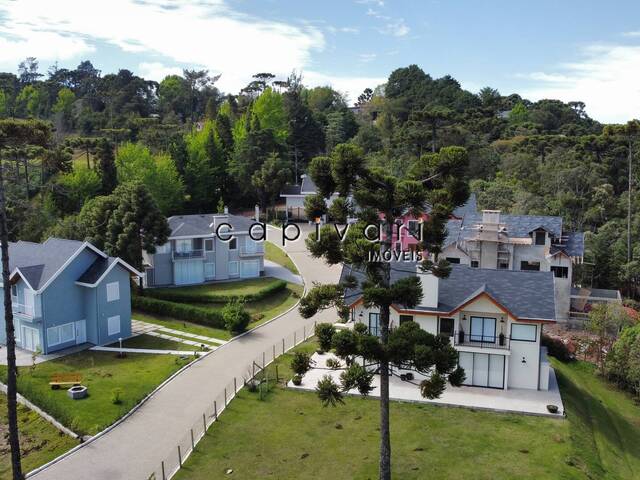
184	446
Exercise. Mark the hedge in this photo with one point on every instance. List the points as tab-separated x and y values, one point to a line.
180	311
196	296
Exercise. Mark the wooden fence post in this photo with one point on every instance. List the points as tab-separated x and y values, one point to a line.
163	475
204	424
179	456
294	339
225	397
263	362
215	410
274	351
235	386
193	444
283	346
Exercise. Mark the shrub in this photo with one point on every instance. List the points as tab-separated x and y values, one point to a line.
556	348
236	318
332	363
433	387
301	363
180	311
196	295
457	377
297	380
356	376
324	332
345	344
116	395
329	392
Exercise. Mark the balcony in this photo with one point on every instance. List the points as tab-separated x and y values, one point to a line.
22	309
462	339
188	254
256	249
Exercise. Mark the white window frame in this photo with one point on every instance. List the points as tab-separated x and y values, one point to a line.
109	330
14	290
113	291
209	277
184	245
57	330
237	269
524	326
166	248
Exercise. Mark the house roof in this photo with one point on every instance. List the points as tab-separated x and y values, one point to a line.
206	224
290	190
525	294
470	207
99	269
308	185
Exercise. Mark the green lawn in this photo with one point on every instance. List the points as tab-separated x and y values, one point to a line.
290	435
605	423
181	325
277	255
40	441
151	342
216	290
137	375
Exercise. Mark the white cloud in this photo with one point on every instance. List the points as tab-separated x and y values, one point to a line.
631	34
156	71
396	27
207	33
351	87
379	3
367	57
335	30
606	79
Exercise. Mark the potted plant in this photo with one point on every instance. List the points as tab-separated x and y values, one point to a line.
297	380
501	339
461	336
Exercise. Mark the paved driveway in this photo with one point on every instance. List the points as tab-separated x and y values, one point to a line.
134	448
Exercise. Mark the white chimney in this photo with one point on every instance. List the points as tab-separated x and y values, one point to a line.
257	213
226	210
429	289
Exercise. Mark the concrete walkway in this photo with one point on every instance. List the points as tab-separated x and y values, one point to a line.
148	350
24	358
272	269
134	448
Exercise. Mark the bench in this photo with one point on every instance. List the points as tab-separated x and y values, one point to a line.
65	380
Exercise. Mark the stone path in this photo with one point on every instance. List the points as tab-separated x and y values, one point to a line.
147	350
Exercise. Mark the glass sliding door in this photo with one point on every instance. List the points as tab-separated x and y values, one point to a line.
374	324
483	329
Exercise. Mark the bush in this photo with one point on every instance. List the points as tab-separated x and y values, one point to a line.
556	348
324	333
203	316
236	318
301	363
297	380
329	392
116	395
332	363
356	376
196	295
457	377
433	387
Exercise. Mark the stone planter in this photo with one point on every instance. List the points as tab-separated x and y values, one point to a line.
77	392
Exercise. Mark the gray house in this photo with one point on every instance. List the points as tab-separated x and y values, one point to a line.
205	248
66	293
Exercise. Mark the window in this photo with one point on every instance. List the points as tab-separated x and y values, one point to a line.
524	333
183	246
208	245
197	244
113	325
483	329
374	323
14	290
166	248
532	266
406	318
233	244
414	228
61	334
209	270
113	291
540	237
475	264
233	269
453	260
560	272
503	265
446	327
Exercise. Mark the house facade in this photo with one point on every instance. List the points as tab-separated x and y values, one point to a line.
493	319
294	196
66	293
206	248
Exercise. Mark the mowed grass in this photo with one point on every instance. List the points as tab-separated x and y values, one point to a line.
223	289
604	423
153	343
279	256
290	435
40	442
102	372
181	325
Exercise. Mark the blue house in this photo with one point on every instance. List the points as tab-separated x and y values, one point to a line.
66	293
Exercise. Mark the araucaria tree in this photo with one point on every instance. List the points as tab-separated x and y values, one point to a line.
437	179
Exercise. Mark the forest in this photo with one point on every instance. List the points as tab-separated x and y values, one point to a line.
79	144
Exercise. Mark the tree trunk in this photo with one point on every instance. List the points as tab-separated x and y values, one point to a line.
12	406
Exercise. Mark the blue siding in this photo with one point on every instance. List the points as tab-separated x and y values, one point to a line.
120	307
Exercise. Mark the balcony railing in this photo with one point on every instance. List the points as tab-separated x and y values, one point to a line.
21	308
186	255
258	249
481	341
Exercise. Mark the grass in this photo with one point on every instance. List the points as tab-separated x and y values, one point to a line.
40	442
289	434
181	325
275	254
137	375
605	423
151	342
214	291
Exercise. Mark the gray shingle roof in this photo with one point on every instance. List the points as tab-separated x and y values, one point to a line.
291	190
526	294
96	270
308	185
470	207
38	262
206	224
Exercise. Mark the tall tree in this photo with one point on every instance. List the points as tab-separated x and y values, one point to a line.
270	179
437	179
106	166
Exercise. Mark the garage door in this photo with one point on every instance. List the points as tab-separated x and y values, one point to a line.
250	269
188	272
482	369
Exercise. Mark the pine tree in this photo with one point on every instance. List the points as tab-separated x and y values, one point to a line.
106	166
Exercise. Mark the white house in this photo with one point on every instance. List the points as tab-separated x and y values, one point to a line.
294	196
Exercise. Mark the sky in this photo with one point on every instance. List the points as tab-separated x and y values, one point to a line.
570	50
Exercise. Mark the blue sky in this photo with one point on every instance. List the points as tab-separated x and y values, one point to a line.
572	50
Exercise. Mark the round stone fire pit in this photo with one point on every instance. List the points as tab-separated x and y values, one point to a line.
77	392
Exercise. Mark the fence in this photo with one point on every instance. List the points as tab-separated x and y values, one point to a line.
174	459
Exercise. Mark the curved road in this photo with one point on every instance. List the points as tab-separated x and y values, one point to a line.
134	448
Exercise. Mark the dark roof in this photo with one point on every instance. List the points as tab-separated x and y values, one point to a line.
308	185
96	270
206	224
526	294
290	190
470	207
575	244
38	262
